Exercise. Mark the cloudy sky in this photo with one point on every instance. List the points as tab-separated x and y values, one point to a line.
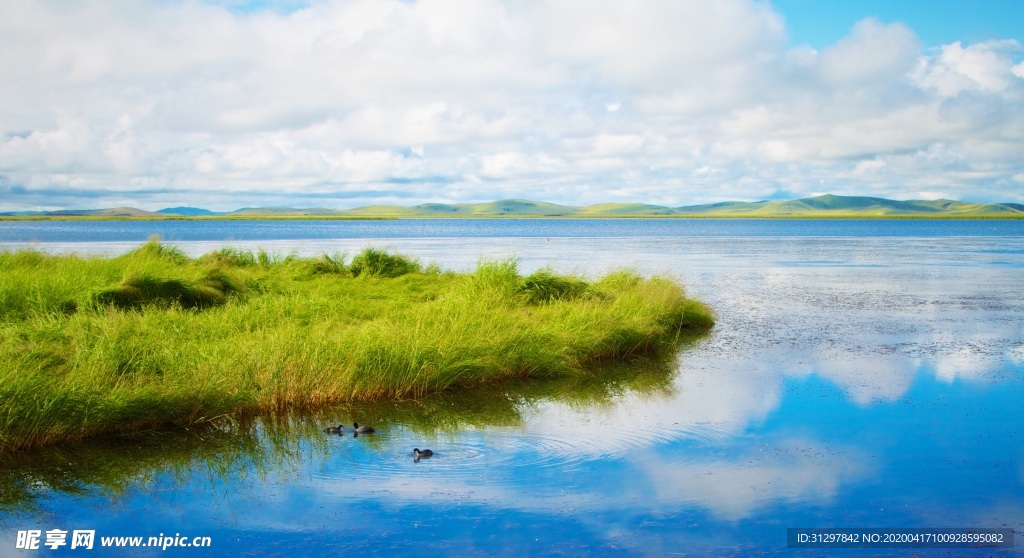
342	103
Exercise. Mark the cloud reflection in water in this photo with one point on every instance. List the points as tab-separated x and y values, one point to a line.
863	381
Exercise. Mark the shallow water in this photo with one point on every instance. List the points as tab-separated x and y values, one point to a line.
853	380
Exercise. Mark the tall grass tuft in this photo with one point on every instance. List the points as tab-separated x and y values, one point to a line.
234	257
135	291
379	263
544	286
328	264
151	338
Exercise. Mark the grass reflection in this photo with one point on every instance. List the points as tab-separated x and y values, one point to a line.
504	404
111	466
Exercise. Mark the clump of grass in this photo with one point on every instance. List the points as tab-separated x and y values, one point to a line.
380	263
234	257
328	264
544	286
135	291
272	335
499	279
154	249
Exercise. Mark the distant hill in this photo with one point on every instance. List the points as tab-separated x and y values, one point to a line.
187	211
858	206
503	207
620	209
111	212
818	206
827	206
282	212
512	208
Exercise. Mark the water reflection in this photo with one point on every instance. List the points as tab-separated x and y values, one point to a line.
850	381
114	467
786	471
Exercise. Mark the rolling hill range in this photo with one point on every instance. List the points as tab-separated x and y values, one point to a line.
829	205
522	208
826	206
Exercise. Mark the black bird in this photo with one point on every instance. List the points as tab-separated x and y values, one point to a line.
362	429
424	453
334	429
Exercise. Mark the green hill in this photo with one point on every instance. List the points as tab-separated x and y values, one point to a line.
282	212
818	206
110	212
488	209
522	207
188	211
385	210
826	206
626	209
855	206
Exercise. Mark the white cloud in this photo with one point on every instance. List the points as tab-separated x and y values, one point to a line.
572	102
872	52
980	67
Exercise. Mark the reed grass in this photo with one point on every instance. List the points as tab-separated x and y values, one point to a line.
152	338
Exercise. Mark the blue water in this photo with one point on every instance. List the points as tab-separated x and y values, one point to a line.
854	379
114	231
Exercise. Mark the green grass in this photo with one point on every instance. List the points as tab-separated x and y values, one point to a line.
92	346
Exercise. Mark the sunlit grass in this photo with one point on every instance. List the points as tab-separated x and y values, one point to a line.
153	338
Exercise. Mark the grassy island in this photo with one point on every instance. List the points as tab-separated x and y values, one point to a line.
153	338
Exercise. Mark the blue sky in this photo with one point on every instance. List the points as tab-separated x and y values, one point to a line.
341	103
820	23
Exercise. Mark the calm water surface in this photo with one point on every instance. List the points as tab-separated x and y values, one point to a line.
862	374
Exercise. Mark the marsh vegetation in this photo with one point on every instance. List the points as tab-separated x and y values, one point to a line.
153	338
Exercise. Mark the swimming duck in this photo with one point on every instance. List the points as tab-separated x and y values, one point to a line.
424	453
362	429
334	429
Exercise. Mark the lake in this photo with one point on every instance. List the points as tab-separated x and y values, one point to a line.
861	374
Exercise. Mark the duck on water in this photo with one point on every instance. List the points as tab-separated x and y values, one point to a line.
362	429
